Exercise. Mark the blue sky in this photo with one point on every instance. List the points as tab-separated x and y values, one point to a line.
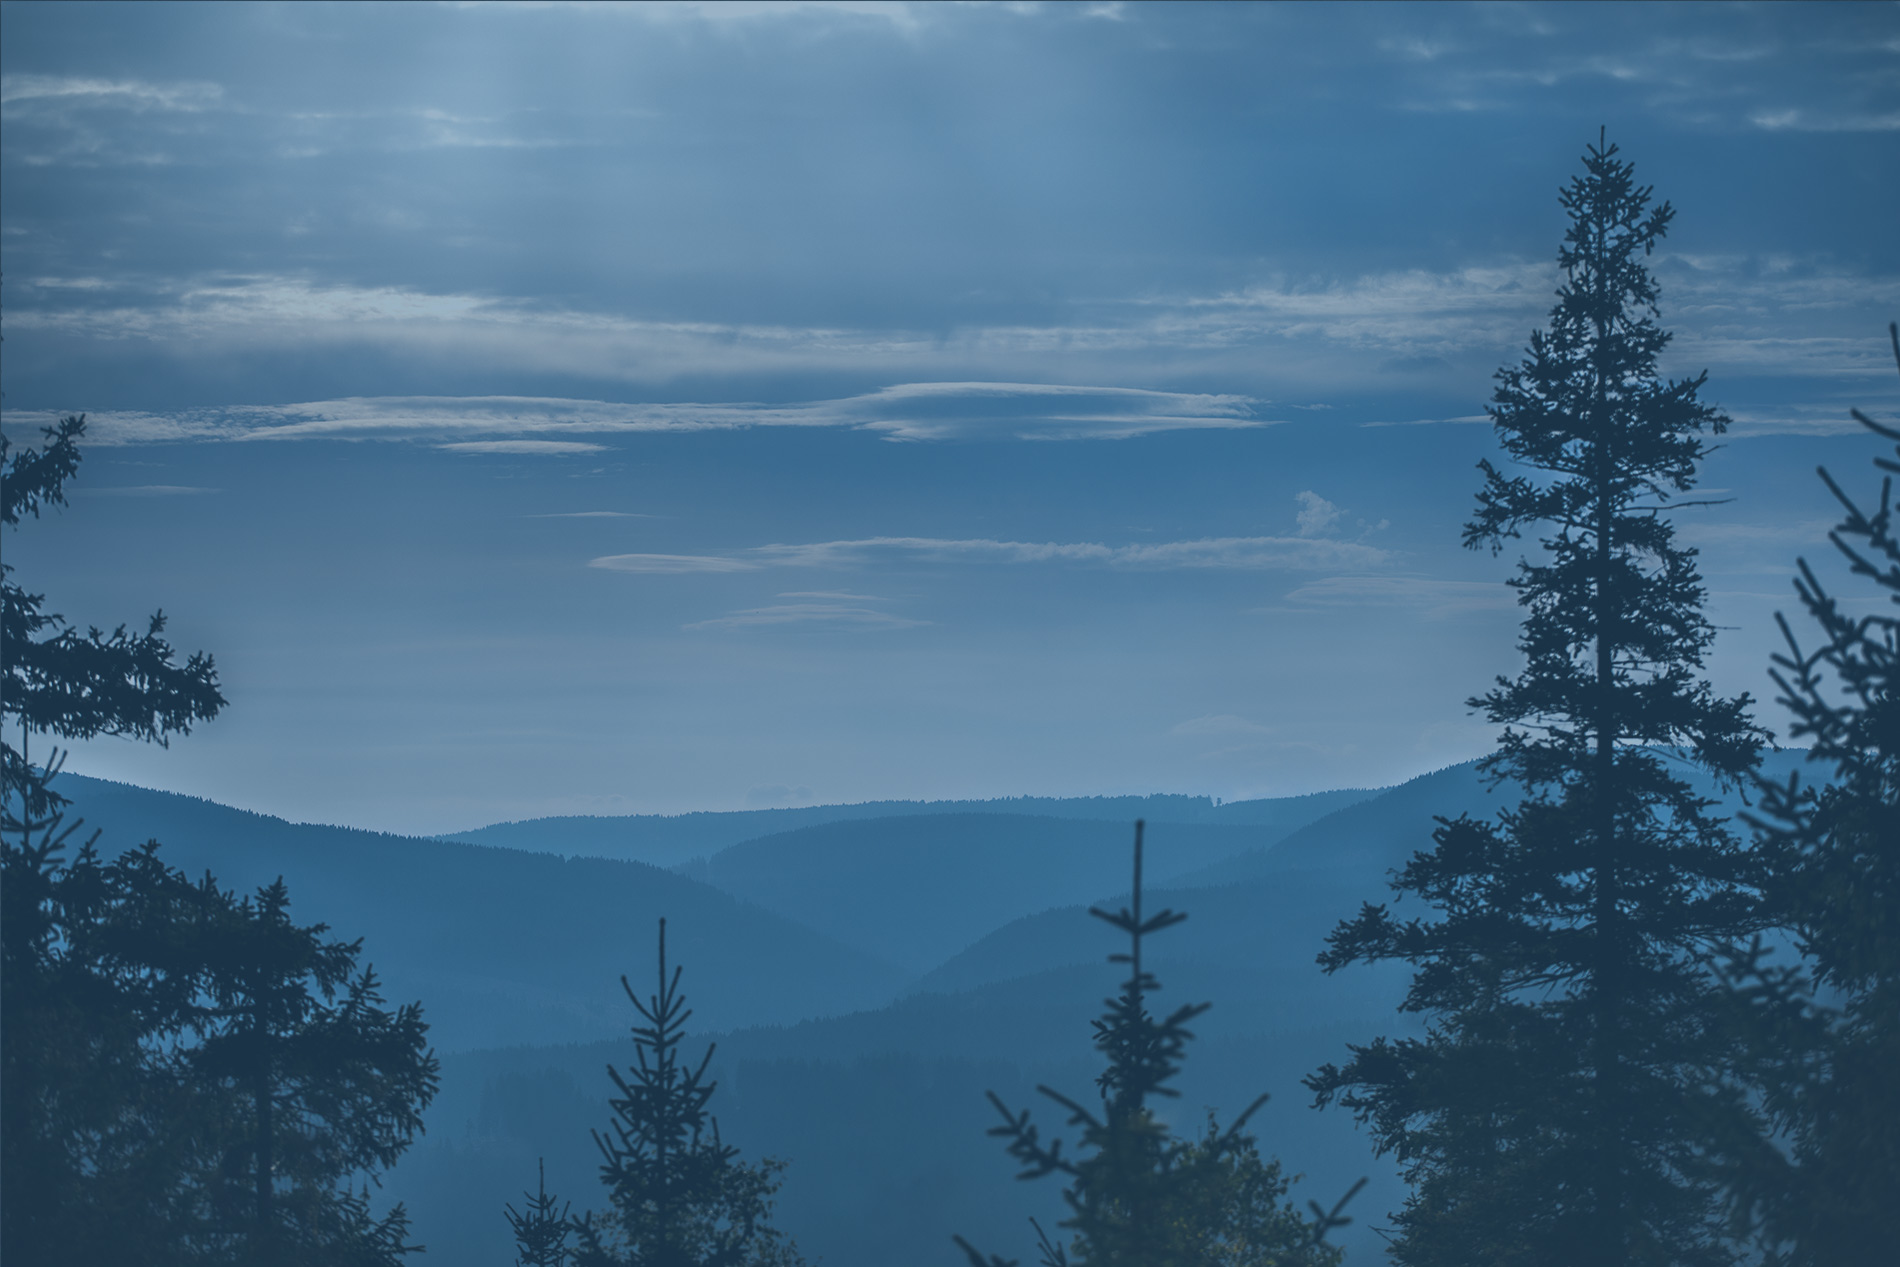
578	408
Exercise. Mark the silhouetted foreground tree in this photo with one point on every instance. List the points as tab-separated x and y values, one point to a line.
1559	1107
541	1233
68	684
188	1078
1826	1035
1138	1196
678	1196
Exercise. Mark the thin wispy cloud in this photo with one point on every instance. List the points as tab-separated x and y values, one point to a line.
672	564
127	94
1733	315
827	615
911	411
524	448
1222	553
590	514
1429	597
145	490
1218	726
1804	120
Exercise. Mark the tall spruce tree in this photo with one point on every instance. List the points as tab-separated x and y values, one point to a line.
187	1078
322	1083
678	1195
1137	1194
1558	1108
1825	1034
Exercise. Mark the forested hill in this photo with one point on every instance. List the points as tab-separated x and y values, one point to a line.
502	946
667	840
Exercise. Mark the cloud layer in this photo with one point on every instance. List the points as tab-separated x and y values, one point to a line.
912	411
1226	553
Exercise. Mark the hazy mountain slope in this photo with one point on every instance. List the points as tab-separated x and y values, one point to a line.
1297	889
666	840
882	1113
914	890
501	946
1385	830
1375	834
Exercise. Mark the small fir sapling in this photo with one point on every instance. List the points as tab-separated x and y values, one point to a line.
1136	1194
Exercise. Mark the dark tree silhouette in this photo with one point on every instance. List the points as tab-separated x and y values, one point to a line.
540	1231
1559	1106
1826	1033
678	1195
1137	1196
100	1126
322	1083
187	1078
74	685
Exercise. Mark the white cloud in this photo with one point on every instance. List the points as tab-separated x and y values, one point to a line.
670	564
1431	597
1805	120
909	411
590	514
834	615
1218	726
146	490
1316	513
526	448
1737	316
840	595
130	94
1228	553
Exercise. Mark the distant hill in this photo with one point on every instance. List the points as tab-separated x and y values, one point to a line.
882	1112
502	946
914	890
1297	889
874	1094
668	840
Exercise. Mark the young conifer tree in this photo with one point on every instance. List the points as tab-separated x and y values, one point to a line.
1557	1109
541	1230
1826	1034
1138	1195
678	1195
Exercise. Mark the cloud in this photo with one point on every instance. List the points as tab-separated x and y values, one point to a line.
1808	533
1316	513
1218	726
1804	120
1226	553
1434	598
832	615
590	514
910	411
545	448
840	595
1737	315
1035	411
670	564
127	94
146	490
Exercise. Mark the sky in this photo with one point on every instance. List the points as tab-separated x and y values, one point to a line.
588	408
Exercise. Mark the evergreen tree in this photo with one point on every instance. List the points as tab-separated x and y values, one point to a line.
73	685
1559	1107
94	1120
187	1078
678	1195
1826	1034
540	1233
1138	1196
321	1082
